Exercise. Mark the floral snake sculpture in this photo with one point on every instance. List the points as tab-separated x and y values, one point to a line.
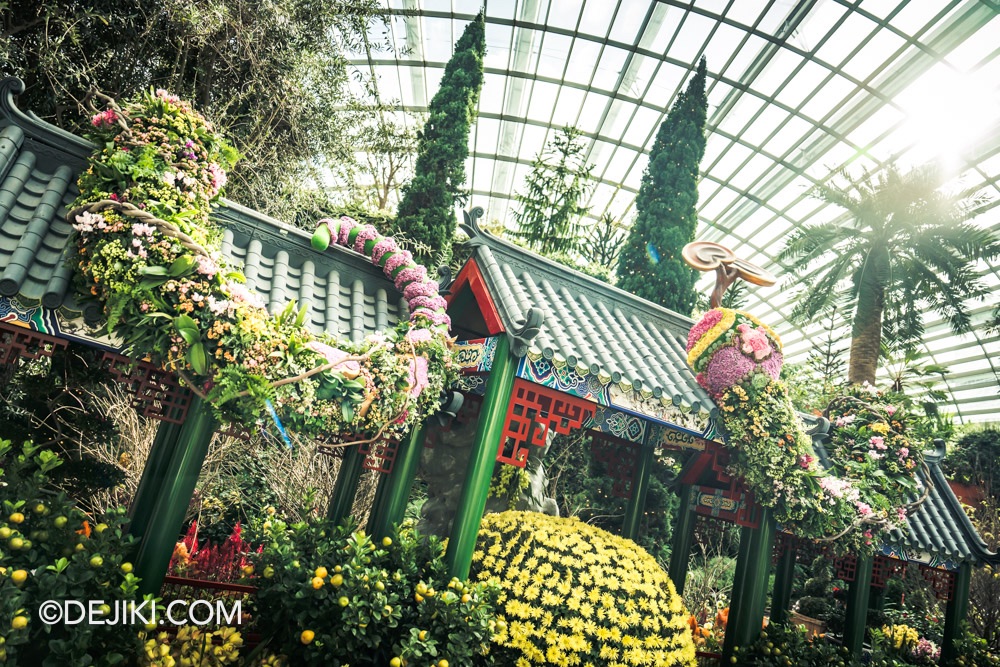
148	251
867	490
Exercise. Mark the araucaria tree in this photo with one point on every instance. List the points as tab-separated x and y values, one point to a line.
549	209
427	211
904	249
650	265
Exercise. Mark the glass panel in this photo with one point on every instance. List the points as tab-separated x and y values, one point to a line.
807	79
665	83
597	17
582	61
848	37
553	59
591	113
437	39
660	30
871	56
746	107
746	55
637	76
620	164
779	68
831	96
609	68
533	140
791	135
628	21
568	106
746	13
491	98
751	172
437	5
764	125
618	118
914	16
976	47
501	8
487	134
723	43
497	45
820	20
691	37
643	127
875	125
564	13
543	100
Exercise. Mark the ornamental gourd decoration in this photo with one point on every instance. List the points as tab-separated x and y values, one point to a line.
147	250
868	487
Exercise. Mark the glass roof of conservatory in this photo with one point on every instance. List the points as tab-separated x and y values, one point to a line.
797	90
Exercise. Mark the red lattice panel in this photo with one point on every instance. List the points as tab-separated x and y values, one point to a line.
884	569
21	343
534	411
468	413
380	455
156	393
845	567
941	581
618	457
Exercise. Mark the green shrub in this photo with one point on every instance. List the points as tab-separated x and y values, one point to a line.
51	550
789	646
575	594
333	597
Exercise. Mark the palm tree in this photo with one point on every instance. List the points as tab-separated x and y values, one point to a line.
906	248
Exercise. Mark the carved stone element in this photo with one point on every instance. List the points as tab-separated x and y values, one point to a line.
445	465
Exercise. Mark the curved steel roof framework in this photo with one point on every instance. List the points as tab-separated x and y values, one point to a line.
797	91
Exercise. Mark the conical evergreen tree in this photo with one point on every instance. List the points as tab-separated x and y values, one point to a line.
427	210
650	264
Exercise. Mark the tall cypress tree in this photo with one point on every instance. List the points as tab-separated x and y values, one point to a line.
427	211
650	264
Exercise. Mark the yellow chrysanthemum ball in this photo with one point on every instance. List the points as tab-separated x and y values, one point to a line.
573	594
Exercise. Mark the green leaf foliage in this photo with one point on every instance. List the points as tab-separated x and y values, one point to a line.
426	213
903	248
550	207
650	265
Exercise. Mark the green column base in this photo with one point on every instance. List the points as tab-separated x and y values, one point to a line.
346	486
784	578
683	539
640	485
472	502
857	607
180	478
753	564
398	485
153	478
955	612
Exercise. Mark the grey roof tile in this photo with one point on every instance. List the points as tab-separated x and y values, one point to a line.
596	328
39	165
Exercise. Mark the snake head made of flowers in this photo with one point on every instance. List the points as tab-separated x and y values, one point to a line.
728	346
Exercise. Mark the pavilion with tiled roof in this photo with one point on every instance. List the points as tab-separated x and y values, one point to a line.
541	348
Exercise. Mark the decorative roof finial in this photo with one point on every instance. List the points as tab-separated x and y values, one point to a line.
708	256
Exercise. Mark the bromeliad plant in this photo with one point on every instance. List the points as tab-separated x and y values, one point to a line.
148	252
867	489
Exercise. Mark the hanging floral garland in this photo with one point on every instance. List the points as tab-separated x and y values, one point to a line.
147	250
867	489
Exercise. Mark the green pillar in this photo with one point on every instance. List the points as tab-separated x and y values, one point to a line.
784	578
346	486
954	613
152	480
640	485
398	485
683	538
753	564
180	479
857	606
472	503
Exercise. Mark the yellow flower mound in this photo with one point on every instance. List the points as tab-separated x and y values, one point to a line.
573	594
